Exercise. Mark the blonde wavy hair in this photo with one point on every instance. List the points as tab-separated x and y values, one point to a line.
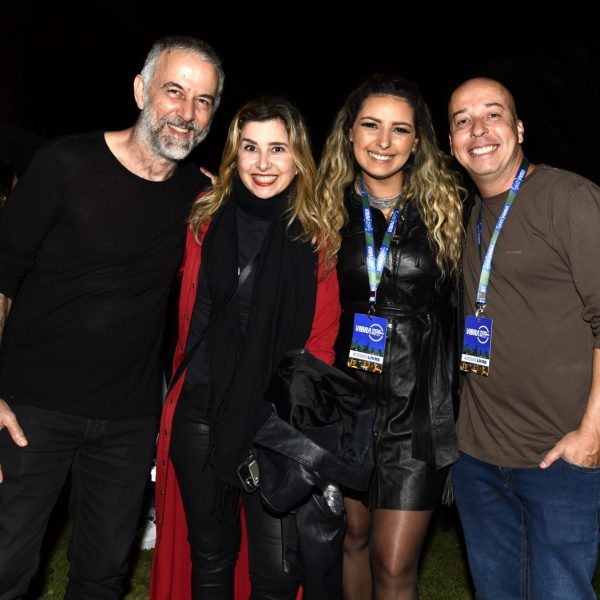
429	179
303	207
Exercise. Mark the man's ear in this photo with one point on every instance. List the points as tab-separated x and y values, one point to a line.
520	131
138	91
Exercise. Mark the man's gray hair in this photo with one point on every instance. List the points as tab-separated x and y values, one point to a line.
187	44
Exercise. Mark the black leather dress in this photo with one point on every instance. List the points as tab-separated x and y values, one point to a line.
414	429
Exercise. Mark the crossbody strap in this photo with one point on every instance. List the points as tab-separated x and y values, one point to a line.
242	279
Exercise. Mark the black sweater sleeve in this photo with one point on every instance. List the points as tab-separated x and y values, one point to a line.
27	217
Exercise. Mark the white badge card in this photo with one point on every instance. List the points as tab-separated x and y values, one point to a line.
368	343
477	346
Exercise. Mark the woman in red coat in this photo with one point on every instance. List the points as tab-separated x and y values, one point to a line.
257	282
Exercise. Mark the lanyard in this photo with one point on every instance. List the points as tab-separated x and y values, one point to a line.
486	268
375	266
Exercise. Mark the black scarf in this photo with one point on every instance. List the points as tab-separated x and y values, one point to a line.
280	319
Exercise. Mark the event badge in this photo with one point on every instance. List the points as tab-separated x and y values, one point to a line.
368	343
477	346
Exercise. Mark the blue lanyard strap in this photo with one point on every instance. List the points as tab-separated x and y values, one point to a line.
486	268
375	265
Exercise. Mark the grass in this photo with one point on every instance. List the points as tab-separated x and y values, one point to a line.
444	573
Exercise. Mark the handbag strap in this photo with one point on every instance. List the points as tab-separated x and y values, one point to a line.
242	279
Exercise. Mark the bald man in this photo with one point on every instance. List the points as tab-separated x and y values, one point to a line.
527	484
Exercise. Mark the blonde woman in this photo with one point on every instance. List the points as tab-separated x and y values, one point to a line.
257	281
383	171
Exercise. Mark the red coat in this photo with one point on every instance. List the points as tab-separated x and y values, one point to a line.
171	566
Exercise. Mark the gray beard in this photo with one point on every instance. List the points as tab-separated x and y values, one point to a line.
165	147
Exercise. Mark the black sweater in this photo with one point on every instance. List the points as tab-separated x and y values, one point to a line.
88	251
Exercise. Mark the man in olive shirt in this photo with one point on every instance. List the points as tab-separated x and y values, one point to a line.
90	241
527	484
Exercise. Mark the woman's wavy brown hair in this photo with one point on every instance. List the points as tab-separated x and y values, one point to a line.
429	178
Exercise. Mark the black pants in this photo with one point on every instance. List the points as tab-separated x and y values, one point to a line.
214	542
109	462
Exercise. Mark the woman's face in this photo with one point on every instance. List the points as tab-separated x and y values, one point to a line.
264	160
383	136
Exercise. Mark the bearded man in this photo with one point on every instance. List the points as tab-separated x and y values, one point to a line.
90	242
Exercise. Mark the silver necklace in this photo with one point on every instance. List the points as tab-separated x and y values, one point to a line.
382	202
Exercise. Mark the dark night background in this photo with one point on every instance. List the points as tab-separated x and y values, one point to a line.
69	68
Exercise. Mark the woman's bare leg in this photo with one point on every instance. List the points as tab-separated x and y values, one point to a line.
357	572
396	541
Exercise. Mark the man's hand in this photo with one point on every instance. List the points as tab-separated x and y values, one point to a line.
211	176
9	420
579	447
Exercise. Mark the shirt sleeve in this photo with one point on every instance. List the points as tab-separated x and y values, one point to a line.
578	231
327	316
26	219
